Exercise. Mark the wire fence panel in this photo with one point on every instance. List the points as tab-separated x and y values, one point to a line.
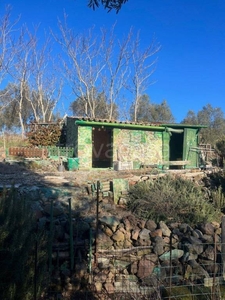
137	274
60	151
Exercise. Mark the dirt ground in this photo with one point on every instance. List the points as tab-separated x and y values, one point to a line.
17	173
47	173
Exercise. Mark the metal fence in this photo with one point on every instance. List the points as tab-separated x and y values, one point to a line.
117	275
132	273
60	151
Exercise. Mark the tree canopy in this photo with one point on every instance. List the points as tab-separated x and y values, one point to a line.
152	112
80	107
19	106
107	4
211	116
10	98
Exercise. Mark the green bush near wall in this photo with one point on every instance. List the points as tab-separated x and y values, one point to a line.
172	199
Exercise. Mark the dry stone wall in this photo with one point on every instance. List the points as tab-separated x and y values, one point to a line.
126	254
137	255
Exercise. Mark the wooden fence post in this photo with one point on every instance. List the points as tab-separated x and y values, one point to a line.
223	245
97	219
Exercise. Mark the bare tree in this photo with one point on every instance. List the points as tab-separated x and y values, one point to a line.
10	47
117	57
142	69
29	67
102	63
46	83
22	71
96	63
34	73
83	65
7	49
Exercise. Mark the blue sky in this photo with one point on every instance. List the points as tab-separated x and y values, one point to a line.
191	63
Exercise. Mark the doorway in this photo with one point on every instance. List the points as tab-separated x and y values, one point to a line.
102	152
176	147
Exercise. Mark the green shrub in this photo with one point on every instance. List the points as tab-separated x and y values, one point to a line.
19	239
171	198
216	186
218	198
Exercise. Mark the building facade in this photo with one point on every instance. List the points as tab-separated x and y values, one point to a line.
104	144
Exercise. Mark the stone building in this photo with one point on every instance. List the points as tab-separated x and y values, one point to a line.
127	145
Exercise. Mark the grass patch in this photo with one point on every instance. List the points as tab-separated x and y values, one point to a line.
12	140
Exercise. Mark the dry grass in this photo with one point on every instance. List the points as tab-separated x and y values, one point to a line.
12	140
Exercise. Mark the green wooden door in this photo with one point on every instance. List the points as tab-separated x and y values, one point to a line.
190	152
166	148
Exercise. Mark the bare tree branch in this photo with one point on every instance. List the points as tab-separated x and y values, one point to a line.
117	57
102	63
142	69
34	73
22	70
83	65
7	49
46	83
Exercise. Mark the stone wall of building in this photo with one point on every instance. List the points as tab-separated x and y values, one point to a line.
85	147
138	146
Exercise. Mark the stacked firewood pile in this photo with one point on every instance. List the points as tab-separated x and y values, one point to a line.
47	134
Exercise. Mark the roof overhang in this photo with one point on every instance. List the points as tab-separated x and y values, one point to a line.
124	125
184	126
120	125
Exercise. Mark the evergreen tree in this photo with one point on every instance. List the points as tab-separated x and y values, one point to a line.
152	112
213	118
101	108
9	107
